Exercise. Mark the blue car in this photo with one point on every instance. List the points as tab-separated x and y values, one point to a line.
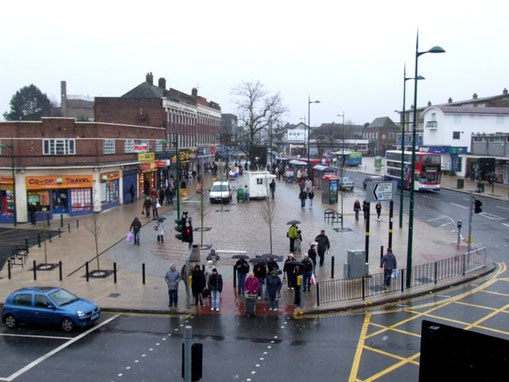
51	306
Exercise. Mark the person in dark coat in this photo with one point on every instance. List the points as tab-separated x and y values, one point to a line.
274	290
147	205
378	209
323	245
297	272
260	271
32	210
136	227
197	284
312	253
303	196
357	209
365	209
272	186
271	266
168	193
132	192
215	285
161	196
389	263
289	269
242	268
307	271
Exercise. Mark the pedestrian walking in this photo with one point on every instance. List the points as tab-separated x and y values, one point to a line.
323	245
32	210
365	209
246	194
155	207
172	280
389	263
357	209
292	234
378	209
132	192
215	285
274	285
308	185
160	227
298	241
307	272
168	194
312	253
260	271
303	196
136	228
272	187
252	285
161	196
311	196
147	205
242	268
289	269
197	284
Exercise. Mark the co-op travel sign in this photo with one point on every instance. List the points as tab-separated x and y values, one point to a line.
52	182
380	191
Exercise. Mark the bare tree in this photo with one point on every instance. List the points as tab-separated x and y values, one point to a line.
94	227
257	109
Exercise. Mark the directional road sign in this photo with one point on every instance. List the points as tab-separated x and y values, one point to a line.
380	191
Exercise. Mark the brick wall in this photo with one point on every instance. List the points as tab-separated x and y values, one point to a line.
145	112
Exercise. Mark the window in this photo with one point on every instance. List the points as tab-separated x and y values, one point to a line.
23	299
456	134
159	146
58	147
42	301
108	146
129	146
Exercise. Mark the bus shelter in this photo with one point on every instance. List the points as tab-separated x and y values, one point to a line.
319	171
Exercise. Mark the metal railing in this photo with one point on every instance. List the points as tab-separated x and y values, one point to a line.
338	290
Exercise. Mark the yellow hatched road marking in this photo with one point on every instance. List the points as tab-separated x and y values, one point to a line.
492	329
446	319
396	330
389	355
393	367
474	305
496	293
487	317
358	353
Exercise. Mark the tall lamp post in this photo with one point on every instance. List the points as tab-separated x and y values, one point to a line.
341	169
309	131
11	146
405	79
435	49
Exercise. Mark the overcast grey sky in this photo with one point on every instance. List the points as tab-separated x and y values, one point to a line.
349	55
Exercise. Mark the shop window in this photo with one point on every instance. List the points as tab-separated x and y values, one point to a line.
81	199
40	199
108	146
58	147
456	134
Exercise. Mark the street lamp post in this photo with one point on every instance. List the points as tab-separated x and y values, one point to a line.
405	79
435	49
14	211
341	169
309	131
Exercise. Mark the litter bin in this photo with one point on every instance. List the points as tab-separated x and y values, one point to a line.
460	183
480	187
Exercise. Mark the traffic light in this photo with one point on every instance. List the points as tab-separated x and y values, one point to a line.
179	228
477	206
188	233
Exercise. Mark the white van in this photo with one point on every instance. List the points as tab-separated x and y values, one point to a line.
220	192
258	183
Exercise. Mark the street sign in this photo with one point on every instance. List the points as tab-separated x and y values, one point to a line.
380	191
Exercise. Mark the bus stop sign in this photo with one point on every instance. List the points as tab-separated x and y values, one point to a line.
380	191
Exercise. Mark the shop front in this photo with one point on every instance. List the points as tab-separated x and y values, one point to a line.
6	199
65	194
147	179
110	190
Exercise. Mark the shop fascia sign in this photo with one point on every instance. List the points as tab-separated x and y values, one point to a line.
141	146
146	157
297	135
54	182
110	176
5	179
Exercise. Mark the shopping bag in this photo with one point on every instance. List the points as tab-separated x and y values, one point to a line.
158	205
313	279
130	237
395	274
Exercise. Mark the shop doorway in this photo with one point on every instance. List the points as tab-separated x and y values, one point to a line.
60	201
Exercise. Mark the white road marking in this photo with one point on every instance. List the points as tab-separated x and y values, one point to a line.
34	336
459	205
56	350
503	208
430	197
441	217
489	216
443	225
506	224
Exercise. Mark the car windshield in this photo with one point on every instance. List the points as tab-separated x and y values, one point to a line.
63	297
345	180
219	187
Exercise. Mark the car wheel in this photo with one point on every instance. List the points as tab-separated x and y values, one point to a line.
10	321
67	325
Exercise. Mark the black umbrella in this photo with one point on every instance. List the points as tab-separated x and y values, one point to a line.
272	256
293	222
293	262
257	260
243	257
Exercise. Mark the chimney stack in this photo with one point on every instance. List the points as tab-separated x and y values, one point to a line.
474	96
429	103
504	92
63	98
162	83
194	92
149	78
449	100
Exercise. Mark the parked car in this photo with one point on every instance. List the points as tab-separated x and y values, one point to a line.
346	183
50	306
220	192
372	178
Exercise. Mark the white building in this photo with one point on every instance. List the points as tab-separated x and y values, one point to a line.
448	130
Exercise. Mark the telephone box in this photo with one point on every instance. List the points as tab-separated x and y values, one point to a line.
330	189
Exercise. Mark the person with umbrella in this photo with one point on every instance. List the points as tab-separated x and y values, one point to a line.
197	284
323	245
292	234
242	268
260	271
274	290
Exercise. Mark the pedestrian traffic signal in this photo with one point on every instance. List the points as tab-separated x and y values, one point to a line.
477	206
179	228
188	233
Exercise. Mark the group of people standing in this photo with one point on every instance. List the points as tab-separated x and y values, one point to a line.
365	209
306	192
321	243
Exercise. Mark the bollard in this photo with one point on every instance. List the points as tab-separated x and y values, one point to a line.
402	282
39	239
59	233
47	219
114	273
363	291
60	270
317	294
26	246
61	220
77	223
9	269
143	273
49	236
381	254
69	227
234	277
86	270
35	271
435	272
332	268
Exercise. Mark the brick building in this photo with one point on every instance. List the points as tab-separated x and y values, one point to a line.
381	134
67	167
190	118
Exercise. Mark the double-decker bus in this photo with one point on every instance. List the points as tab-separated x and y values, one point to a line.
427	169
